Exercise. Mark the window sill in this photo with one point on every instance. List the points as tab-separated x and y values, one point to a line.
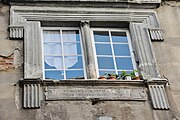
95	82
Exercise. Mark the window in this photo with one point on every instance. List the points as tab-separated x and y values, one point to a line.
62	54
64	57
32	19
113	51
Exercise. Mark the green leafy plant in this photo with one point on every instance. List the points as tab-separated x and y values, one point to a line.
124	74
111	74
133	74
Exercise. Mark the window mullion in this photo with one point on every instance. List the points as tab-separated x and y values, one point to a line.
63	57
89	57
113	55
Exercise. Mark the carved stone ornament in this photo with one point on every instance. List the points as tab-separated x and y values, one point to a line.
63	93
156	34
159	97
16	32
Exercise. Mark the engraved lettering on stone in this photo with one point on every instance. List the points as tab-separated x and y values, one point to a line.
82	93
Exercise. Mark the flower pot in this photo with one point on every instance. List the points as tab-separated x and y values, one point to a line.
112	78
136	78
102	78
128	78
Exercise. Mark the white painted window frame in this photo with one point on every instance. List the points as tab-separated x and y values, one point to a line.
129	45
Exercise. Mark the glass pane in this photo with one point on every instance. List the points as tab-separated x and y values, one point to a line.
70	35
121	49
72	48
53	62
103	49
119	36
58	75
105	63
101	36
52	48
75	74
124	63
102	72
51	35
74	62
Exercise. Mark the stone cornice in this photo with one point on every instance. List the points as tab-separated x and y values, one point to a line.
145	4
21	14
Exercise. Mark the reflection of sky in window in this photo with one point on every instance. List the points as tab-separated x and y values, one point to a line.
101	51
119	37
57	75
121	49
109	59
124	63
101	36
76	65
74	74
105	63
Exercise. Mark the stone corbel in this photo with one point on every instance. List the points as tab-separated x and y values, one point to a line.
156	34
31	93
158	94
16	32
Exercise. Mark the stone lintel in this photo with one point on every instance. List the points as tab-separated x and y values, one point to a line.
100	93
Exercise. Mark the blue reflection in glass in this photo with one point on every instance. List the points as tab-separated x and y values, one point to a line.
54	61
101	36
74	74
57	75
103	49
48	66
105	63
124	63
74	62
119	37
121	49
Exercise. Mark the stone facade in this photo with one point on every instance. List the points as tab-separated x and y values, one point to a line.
25	95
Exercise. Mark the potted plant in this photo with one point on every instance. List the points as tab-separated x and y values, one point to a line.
135	76
125	76
111	76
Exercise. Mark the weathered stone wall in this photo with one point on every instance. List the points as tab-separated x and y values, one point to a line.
11	70
167	52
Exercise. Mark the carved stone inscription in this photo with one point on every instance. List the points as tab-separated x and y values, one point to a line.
104	94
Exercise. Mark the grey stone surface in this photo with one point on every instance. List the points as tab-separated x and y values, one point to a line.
75	93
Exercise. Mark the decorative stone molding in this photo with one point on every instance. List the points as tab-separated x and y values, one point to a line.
159	97
31	93
156	34
16	32
31	96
